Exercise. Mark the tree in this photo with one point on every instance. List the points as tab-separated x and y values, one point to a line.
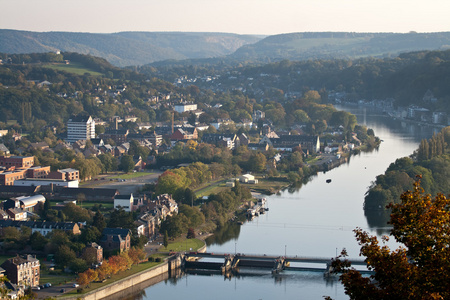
191	233
99	221
420	269
166	239
64	256
38	241
126	163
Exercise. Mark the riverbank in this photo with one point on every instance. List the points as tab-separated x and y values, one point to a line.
137	282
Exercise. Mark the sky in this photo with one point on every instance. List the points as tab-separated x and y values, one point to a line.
265	17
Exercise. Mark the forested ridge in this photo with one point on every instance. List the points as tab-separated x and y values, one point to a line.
431	161
405	78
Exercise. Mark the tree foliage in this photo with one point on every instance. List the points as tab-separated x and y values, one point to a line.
418	270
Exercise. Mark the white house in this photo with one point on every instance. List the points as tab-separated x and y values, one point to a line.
124	201
246	178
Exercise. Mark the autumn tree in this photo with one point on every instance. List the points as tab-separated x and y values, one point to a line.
136	255
418	270
104	271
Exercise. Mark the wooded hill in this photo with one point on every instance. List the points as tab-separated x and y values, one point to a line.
126	48
139	48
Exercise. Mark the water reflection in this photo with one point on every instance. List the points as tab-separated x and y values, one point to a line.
377	220
229	231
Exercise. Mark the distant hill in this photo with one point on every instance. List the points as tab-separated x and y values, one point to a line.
328	45
165	48
126	48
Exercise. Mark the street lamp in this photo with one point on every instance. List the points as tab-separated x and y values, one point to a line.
285	246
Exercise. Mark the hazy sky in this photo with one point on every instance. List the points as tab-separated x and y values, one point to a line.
234	16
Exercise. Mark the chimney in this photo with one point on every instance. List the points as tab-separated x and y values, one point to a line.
172	120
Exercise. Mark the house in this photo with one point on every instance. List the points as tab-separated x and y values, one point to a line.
124	201
258	115
147	225
94	252
3	149
248	178
23	270
119	136
184	133
42	227
167	200
16	214
39	146
116	239
309	144
229	141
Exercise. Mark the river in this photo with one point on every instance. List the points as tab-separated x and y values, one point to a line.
316	220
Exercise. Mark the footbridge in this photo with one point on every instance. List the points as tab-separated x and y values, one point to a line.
226	262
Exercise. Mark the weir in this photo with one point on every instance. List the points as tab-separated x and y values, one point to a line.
232	262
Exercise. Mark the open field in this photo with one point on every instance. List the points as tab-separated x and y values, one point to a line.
131	175
72	68
182	244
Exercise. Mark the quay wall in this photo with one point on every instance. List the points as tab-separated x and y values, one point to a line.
134	283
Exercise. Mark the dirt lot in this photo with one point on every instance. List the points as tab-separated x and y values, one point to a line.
124	187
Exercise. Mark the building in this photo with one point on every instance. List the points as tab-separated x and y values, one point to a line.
124	201
24	269
42	227
185	133
229	140
68	174
38	172
248	178
8	178
93	252
309	144
116	239
47	181
183	107
4	149
119	136
17	161
80	128
26	203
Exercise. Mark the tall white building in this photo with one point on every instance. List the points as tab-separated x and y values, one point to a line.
80	128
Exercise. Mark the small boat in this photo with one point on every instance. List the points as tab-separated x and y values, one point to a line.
328	180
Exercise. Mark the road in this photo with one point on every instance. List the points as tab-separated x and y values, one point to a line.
54	291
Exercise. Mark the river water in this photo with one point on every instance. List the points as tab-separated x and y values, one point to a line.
316	220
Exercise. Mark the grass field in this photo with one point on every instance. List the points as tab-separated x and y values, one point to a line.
180	245
131	175
72	68
56	279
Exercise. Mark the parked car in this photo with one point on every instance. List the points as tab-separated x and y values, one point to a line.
62	291
75	285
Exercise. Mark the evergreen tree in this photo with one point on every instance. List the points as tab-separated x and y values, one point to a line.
99	221
166	239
